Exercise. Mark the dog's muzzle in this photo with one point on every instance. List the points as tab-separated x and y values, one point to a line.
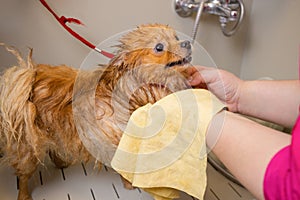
188	58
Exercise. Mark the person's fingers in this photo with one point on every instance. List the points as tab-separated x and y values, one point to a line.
199	75
195	79
194	69
190	69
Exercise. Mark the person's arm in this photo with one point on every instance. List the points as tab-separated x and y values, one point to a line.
245	147
275	101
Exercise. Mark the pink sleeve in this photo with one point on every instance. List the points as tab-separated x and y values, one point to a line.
282	177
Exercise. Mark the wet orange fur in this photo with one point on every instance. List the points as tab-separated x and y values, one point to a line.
37	101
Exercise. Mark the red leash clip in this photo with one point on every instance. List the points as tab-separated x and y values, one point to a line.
64	20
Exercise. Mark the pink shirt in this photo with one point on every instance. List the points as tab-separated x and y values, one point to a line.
282	178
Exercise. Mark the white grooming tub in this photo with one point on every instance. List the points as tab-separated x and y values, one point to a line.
82	182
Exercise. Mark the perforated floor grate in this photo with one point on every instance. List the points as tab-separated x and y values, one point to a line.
82	182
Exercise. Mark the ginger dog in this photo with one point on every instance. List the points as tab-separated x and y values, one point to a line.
37	100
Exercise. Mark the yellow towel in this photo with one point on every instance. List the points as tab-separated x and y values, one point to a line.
163	147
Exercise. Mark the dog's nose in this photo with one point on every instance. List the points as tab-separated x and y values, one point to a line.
186	44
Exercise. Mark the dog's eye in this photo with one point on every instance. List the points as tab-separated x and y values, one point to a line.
176	37
159	47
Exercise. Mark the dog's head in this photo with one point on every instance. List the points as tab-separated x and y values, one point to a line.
152	44
150	64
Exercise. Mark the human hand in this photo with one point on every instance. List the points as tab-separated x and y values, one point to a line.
221	83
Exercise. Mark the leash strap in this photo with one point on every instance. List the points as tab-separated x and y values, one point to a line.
64	20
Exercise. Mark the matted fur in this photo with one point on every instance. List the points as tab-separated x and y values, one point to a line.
37	102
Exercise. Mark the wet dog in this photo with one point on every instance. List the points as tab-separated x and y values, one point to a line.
43	108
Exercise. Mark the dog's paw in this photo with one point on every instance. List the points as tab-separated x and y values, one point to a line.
127	184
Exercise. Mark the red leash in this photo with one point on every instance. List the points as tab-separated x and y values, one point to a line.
64	20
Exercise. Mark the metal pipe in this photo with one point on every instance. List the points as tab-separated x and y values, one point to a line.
237	24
